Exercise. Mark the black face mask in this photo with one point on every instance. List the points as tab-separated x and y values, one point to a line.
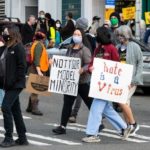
6	37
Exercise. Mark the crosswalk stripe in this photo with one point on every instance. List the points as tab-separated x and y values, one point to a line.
31	141
52	139
144	126
24	117
142	139
113	131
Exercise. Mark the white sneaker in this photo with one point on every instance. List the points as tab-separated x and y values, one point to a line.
136	127
91	139
127	132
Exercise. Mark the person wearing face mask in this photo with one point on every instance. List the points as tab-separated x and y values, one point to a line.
58	38
40	66
55	34
41	22
115	22
77	50
13	83
102	107
130	53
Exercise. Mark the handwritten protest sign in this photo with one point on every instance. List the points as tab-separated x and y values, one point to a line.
128	13
147	17
110	80
64	75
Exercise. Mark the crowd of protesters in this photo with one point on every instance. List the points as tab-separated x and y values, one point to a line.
114	40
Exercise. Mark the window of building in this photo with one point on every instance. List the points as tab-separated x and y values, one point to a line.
73	6
2	9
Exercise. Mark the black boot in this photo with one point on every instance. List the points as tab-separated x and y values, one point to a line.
7	142
22	140
29	108
35	110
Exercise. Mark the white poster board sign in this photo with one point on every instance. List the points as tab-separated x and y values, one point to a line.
110	80
64	76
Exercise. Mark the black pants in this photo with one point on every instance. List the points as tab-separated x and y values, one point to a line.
11	110
83	91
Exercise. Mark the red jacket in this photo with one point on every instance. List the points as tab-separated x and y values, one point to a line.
110	53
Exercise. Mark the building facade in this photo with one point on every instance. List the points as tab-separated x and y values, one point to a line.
58	8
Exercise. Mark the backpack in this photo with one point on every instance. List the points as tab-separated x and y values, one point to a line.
3	63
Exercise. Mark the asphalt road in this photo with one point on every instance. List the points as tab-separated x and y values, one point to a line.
41	137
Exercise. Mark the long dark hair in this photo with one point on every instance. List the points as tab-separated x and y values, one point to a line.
103	36
15	36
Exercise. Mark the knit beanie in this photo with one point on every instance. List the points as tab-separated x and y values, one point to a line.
82	23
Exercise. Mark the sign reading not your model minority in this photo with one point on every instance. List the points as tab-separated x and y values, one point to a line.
64	76
110	80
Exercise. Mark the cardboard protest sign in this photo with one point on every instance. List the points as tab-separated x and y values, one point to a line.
38	85
65	75
128	13
147	17
110	80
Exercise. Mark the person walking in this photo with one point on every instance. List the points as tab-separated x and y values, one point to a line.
40	66
90	43
102	107
130	53
77	50
15	65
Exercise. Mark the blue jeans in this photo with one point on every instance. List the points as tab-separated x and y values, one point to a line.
1	96
104	108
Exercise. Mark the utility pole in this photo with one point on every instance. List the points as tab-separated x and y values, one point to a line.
138	18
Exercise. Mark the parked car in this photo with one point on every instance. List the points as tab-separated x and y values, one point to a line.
62	49
9	20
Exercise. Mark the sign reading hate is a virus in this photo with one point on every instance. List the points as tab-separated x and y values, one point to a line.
64	76
110	80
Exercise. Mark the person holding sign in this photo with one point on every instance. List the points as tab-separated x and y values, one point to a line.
40	66
102	107
77	50
130	53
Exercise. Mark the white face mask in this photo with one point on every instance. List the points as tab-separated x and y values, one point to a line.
77	39
58	25
42	16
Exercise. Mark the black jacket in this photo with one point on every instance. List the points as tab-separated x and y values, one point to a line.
68	30
15	68
27	33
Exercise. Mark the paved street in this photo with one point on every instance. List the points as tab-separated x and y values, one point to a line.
40	128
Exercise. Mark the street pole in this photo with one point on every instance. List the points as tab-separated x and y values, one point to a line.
138	18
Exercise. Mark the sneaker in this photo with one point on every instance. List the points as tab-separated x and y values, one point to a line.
72	119
91	139
8	142
59	130
135	128
21	142
127	132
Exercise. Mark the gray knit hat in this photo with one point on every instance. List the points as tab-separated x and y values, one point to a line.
82	23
